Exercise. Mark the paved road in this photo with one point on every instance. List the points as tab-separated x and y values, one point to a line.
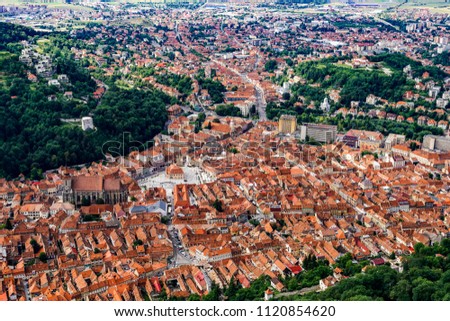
260	103
387	23
26	289
301	292
259	92
178	258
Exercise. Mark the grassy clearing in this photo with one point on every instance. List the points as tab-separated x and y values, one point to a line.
438	6
59	4
5	55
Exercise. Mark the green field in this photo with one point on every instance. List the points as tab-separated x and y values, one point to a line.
439	6
55	4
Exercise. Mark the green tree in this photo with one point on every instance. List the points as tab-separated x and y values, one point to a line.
214	293
401	291
35	245
43	257
423	290
194	297
232	289
85	201
270	65
217	204
228	110
8	224
286	96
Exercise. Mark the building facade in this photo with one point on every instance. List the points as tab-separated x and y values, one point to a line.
287	124
93	189
433	142
318	132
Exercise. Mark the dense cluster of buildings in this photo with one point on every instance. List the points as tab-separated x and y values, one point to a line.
96	234
187	42
225	199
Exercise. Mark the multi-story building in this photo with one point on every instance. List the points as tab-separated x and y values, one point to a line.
93	189
433	142
318	132
287	124
394	139
363	139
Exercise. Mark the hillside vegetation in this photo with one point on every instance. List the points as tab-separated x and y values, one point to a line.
32	136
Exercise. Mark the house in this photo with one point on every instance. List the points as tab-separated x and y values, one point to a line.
372	99
87	123
174	172
155	207
63	79
153	156
174	110
431	122
443	124
35	210
276	284
68	95
377	261
329	281
422	120
66	207
365	140
54	82
401	150
398	161
268	294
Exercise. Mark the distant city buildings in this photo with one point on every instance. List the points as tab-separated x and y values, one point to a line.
100	216
221	199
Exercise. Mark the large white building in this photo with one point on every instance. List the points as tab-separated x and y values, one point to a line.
319	132
34	211
87	123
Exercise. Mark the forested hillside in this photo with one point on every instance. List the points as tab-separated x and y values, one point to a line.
33	137
426	277
384	78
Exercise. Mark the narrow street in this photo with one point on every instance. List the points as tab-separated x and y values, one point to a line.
260	102
260	99
180	256
26	289
259	92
